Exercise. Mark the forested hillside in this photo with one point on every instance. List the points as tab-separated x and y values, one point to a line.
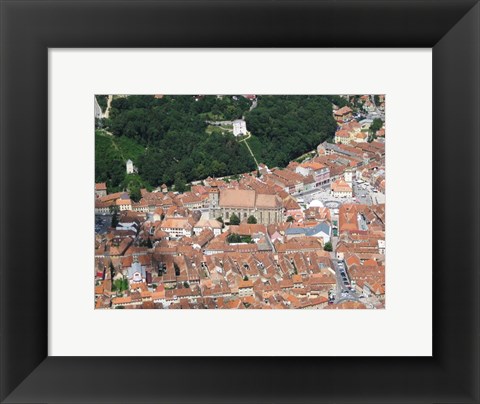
284	127
111	153
102	101
171	131
166	137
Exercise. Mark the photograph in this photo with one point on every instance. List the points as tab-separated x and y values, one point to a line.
239	201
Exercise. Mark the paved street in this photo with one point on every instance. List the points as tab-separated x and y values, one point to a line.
324	195
365	194
343	291
362	194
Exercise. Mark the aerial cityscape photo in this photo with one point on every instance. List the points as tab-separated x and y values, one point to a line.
239	201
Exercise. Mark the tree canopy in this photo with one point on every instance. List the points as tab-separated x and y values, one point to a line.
234	238
234	219
102	101
111	154
376	125
286	126
168	135
172	134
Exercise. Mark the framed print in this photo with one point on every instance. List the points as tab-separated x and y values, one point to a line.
224	264
57	60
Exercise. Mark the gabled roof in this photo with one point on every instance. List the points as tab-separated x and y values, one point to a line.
341	186
241	198
213	223
322	227
342	111
268	201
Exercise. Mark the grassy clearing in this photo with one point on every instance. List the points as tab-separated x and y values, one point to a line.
127	148
217	129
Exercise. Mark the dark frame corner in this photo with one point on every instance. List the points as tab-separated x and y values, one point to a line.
29	28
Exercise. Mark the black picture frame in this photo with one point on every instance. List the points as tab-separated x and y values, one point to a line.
29	28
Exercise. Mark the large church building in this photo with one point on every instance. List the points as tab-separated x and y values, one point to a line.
267	209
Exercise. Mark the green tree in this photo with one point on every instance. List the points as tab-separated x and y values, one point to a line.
221	221
112	270
98	123
234	219
186	284
102	101
114	209
290	219
120	285
180	182
376	125
328	246
245	278
288	126
252	220
135	194
234	238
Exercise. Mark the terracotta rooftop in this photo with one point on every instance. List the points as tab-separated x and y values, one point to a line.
101	186
268	201
341	186
212	223
239	198
342	111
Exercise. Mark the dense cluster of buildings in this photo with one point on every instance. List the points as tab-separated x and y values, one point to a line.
249	242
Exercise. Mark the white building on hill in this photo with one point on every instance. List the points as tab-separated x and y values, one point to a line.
130	167
239	127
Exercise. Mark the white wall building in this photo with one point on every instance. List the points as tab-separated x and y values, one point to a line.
124	204
239	127
177	227
341	189
211	224
130	167
348	175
